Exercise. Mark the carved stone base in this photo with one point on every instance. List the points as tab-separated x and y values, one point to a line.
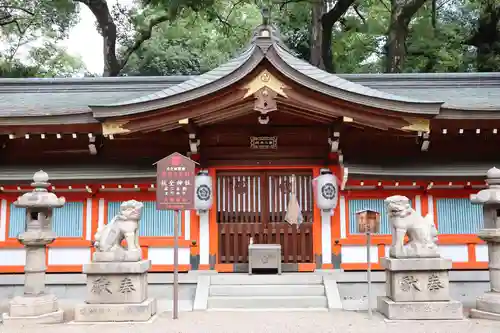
117	282
116	312
417	279
27	306
448	310
48	318
474	313
117	255
488	306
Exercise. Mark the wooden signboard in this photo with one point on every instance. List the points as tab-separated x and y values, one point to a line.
175	176
264	142
368	221
175	191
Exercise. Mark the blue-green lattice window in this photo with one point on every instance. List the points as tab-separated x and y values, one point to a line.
66	222
458	216
153	222
355	205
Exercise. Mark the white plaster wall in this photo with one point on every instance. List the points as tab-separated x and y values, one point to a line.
12	257
430	205
69	256
457	253
482	252
165	255
343	217
187	224
418	204
3	219
357	254
204	239
326	237
101	217
88	220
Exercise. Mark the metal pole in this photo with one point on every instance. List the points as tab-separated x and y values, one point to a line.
176	265
369	272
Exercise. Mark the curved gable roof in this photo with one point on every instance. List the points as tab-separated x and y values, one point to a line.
266	44
322	81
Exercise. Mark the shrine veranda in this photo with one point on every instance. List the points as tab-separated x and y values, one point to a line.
251	124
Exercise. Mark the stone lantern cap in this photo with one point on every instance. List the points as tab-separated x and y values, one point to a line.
40	197
491	195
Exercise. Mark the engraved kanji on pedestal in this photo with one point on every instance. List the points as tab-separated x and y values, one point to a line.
488	305
36	306
117	284
417	280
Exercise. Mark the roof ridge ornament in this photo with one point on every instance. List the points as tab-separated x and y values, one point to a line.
266	15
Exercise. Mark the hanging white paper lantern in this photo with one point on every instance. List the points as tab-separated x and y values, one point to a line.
203	195
326	190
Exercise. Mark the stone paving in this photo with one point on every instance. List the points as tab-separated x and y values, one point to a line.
273	322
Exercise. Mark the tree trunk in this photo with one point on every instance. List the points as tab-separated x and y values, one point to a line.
328	20
316	34
108	31
107	27
487	38
323	21
402	12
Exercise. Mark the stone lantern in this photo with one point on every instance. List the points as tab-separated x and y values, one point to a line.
488	305
36	305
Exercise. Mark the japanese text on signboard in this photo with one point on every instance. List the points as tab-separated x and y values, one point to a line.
175	183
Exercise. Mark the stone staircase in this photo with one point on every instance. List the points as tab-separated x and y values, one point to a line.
301	291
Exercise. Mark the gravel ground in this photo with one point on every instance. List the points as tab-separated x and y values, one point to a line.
273	322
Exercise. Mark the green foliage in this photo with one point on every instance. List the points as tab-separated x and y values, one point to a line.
293	21
443	48
194	36
45	60
36	26
195	42
358	39
49	17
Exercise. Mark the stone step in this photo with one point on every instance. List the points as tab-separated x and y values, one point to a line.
268	290
284	279
266	302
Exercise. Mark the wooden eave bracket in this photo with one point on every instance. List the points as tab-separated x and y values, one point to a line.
192	130
335	132
425	141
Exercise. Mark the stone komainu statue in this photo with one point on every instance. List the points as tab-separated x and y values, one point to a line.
421	231
124	226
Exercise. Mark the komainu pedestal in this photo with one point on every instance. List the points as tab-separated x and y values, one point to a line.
417	282
418	288
117	285
116	291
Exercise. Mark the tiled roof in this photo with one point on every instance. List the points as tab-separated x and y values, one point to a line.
439	170
93	98
265	40
186	86
55	97
460	91
338	82
111	172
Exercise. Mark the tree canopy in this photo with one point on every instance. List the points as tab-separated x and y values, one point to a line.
174	37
